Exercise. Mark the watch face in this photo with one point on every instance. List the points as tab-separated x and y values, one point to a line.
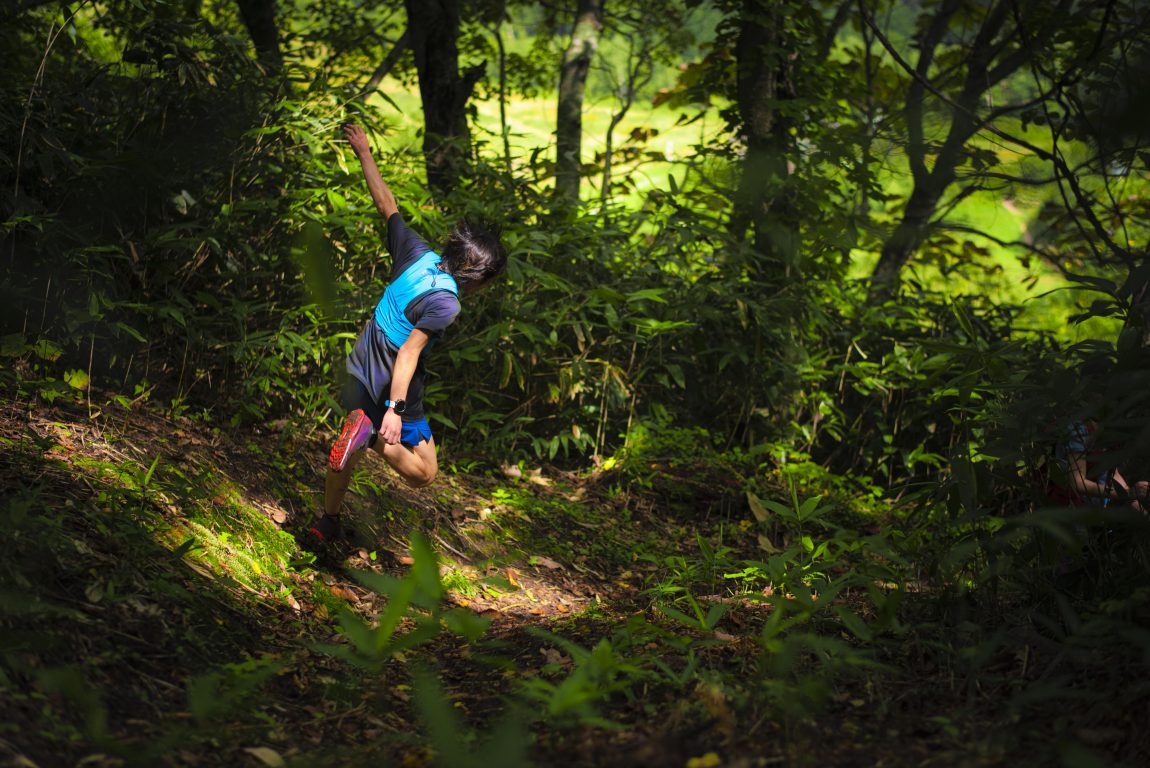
400	406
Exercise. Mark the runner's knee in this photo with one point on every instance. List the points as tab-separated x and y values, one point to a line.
420	479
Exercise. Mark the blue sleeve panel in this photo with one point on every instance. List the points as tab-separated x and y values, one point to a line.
421	277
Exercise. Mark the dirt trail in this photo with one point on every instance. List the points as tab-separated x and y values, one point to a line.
141	505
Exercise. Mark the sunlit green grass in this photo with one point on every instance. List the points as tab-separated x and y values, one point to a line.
1046	298
531	130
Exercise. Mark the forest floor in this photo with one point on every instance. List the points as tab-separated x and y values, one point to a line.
160	611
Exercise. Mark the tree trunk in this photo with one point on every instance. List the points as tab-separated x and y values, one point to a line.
905	241
572	83
432	33
259	16
763	78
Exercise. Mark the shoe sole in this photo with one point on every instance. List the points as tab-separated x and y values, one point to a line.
337	459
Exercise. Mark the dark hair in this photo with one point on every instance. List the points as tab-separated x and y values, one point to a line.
473	253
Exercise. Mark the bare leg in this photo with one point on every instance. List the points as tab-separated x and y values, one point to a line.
335	485
417	466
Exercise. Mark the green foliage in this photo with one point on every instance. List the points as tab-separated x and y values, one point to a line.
186	228
506	742
413	615
597	674
216	694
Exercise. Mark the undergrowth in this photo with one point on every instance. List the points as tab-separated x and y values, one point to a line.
149	583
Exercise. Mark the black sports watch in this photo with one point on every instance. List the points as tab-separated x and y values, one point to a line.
399	406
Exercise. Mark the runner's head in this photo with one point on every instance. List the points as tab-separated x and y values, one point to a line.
473	255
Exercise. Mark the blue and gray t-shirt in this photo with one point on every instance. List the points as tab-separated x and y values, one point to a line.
373	356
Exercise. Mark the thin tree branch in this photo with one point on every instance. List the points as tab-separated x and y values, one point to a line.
386	66
1048	257
833	28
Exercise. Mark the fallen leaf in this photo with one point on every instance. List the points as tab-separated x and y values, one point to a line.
266	756
547	562
552	656
511	470
94	592
345	593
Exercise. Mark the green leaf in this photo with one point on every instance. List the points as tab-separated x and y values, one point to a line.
679	616
648	294
186	546
362	638
129	330
389	100
443	724
425	572
466	624
440	418
338	201
77	379
609	295
47	350
852	622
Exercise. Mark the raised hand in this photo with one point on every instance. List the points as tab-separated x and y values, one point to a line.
356	138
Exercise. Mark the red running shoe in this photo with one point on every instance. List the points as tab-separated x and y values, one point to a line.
327	529
356	433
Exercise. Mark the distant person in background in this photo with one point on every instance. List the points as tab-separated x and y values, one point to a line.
383	395
1079	481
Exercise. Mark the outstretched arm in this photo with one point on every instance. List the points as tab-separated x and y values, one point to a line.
380	193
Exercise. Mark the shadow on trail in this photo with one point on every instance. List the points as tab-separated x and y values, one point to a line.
107	633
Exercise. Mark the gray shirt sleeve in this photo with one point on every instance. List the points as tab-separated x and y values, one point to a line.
433	312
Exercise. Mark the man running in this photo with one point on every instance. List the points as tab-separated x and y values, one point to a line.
383	396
